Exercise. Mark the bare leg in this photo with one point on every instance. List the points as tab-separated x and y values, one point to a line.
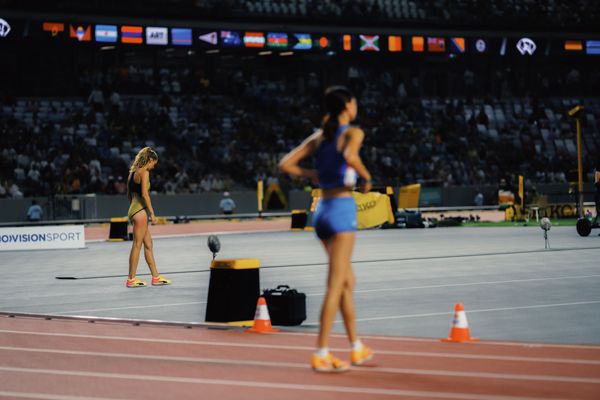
149	254
339	248
347	306
140	226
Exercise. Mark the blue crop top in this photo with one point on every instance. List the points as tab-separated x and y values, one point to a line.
331	165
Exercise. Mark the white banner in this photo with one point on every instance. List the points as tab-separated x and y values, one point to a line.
42	238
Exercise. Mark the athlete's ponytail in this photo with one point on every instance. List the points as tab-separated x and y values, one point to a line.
336	98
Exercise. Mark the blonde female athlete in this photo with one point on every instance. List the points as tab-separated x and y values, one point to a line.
336	149
140	208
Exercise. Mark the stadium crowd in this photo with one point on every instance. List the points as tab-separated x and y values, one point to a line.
224	131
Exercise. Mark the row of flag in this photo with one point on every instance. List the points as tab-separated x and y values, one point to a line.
130	34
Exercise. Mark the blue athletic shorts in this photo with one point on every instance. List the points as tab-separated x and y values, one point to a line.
334	215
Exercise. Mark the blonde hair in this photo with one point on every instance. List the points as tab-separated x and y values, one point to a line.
143	157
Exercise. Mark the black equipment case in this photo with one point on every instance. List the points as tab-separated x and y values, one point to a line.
286	306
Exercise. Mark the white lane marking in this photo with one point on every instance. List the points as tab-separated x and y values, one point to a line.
268	385
472	284
356	292
306	348
185	235
46	396
130	308
579	303
258	363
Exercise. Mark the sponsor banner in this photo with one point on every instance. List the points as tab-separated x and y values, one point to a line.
157	35
42	238
373	209
106	33
4	28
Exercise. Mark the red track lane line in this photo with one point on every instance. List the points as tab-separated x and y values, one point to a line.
252	345
269	385
303	366
46	396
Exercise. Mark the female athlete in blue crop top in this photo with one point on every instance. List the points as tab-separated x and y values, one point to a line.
336	148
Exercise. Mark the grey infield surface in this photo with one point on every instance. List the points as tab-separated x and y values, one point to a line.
407	280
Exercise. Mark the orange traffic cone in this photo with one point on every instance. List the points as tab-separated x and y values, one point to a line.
460	327
262	320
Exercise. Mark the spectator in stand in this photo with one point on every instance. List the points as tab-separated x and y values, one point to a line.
35	213
227	205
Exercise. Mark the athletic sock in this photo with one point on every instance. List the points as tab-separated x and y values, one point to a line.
322	351
357	345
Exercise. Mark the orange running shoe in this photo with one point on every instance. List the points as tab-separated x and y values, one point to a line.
359	357
160	281
135	282
328	363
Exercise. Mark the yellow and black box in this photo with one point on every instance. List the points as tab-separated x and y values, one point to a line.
233	291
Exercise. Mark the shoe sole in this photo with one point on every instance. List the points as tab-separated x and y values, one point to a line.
135	286
160	284
330	371
364	360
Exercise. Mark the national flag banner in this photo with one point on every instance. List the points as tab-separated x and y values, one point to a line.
324	42
347	40
80	33
106	33
458	45
369	42
157	35
254	39
132	34
53	27
573	45
211	38
181	36
418	44
277	40
592	47
303	41
231	39
394	43
436	44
